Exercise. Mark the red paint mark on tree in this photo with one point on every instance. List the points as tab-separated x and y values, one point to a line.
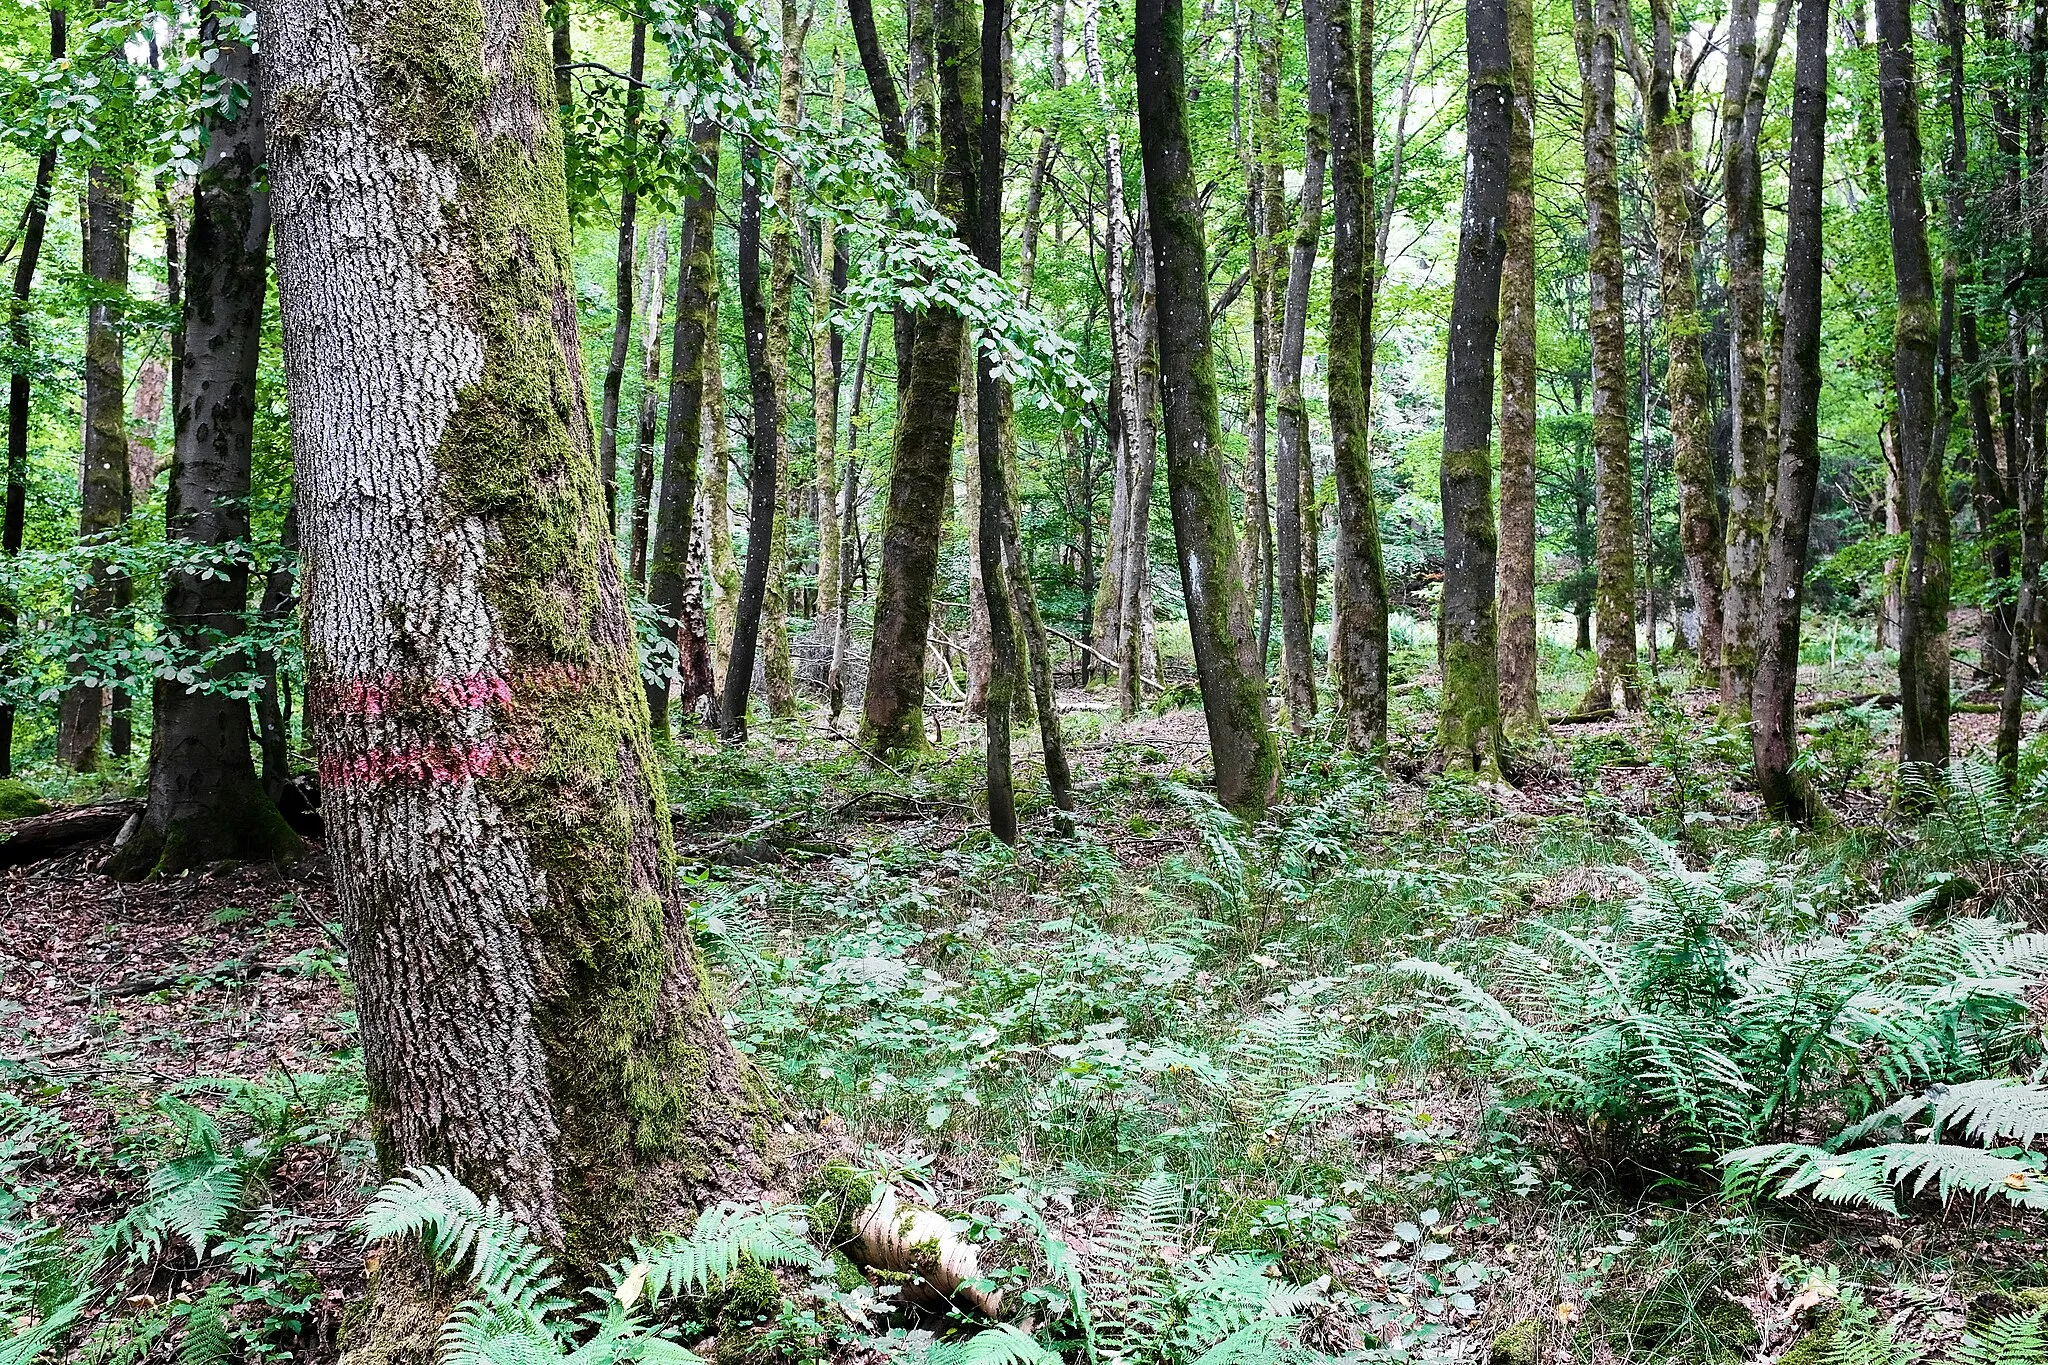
422	765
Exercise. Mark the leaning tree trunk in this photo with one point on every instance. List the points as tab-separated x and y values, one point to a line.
1521	714
622	284
1291	459
103	463
653	278
1614	678
1923	626
205	802
1204	527
693	351
1471	689
14	512
764	449
1358	641
534	1013
1775	736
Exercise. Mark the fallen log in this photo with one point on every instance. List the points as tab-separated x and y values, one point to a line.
45	836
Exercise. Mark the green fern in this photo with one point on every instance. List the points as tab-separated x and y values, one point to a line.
2014	1339
467	1234
722	1239
1000	1345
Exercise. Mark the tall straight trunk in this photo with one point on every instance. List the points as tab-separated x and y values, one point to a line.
2033	537
14	504
1138	649
825	387
1358	642
1204	527
849	538
981	660
1614	679
1668	129
777	673
205	802
533	1011
2005	488
723	572
874	63
622	285
693	355
103	461
1470	722
1775	736
1293	529
1922	432
764	447
1272	251
653	277
1515	604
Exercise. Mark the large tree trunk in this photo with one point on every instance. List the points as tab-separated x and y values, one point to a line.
1614	679
1291	461
622	284
1471	688
693	354
14	506
653	279
1204	527
533	1009
1922	433
1521	715
1668	127
205	802
1775	736
777	673
764	449
825	403
1266	307
103	462
1358	642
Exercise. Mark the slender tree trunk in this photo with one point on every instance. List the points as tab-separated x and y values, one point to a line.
1471	689
205	802
825	405
693	362
622	286
103	462
777	673
534	1015
765	446
1358	643
1521	715
14	509
1211	563
1614	682
1291	472
1269	305
1775	735
654	276
716	479
849	539
981	657
1137	652
1922	430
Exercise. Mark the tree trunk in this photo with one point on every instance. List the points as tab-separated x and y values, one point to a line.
1137	650
1521	714
716	479
14	511
280	605
825	385
1922	432
765	446
777	674
1268	305
103	462
849	538
981	649
1614	681
1211	565
654	276
1292	459
622	285
1775	736
693	359
1358	642
1471	688
533	1010
205	802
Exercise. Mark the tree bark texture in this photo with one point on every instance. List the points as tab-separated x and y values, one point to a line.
825	404
1749	468
1204	526
1521	715
622	285
764	442
1775	732
205	802
778	675
716	478
653	282
533	1009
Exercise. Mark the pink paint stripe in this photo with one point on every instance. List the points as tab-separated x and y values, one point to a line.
466	692
422	765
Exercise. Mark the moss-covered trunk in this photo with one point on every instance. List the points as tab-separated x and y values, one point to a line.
1204	526
534	1012
1515	569
723	571
1470	718
825	388
1775	735
653	300
778	675
205	802
622	279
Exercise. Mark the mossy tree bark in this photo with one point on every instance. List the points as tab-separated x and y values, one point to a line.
1204	527
764	440
1775	733
778	675
534	1013
103	462
1614	680
622	284
1922	431
1515	569
826	263
14	505
205	802
1470	719
1292	528
723	571
653	291
1358	641
693	350
1268	306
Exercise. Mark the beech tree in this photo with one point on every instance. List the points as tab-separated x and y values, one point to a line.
1521	718
531	1003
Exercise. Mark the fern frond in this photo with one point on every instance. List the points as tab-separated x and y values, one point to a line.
2014	1339
724	1237
1000	1345
1870	1175
465	1233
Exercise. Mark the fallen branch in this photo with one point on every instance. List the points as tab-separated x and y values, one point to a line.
1102	658
235	969
45	836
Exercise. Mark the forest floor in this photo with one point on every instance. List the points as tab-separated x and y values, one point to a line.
1184	1045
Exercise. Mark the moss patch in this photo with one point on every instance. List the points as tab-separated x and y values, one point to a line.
1521	1344
1813	1348
18	800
